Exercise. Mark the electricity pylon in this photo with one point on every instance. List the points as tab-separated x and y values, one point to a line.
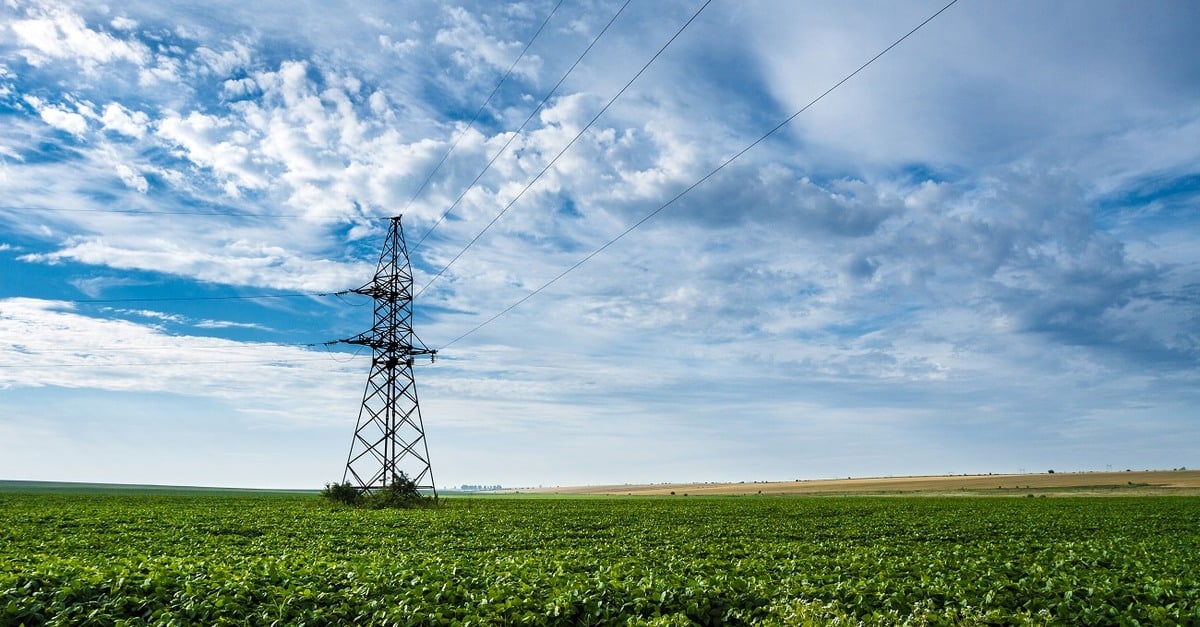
390	436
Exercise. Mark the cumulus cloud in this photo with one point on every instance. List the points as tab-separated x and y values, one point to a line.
474	46
58	33
234	58
132	179
213	142
402	47
236	88
118	119
123	23
58	116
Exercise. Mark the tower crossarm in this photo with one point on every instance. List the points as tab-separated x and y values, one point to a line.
383	292
385	346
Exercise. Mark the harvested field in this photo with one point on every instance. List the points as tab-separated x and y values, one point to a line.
1154	482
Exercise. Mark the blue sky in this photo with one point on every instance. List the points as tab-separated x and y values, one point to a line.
978	255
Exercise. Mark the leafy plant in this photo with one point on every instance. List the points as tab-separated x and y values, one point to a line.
68	559
344	493
402	492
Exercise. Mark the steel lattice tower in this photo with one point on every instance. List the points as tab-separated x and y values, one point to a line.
390	436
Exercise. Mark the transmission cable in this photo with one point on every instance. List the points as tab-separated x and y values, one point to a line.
155	299
91	354
567	147
478	112
121	349
154	212
276	362
513	135
683	193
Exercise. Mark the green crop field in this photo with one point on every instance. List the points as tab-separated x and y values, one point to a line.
215	559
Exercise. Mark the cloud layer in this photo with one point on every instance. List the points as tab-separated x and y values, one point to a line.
981	247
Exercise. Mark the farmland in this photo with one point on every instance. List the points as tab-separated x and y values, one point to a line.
1128	483
100	558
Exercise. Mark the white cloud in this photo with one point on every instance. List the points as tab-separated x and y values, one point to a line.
226	324
399	47
123	23
118	119
233	89
132	179
156	315
473	46
213	142
184	320
167	68
58	117
950	234
93	287
6	88
221	63
210	258
58	33
47	343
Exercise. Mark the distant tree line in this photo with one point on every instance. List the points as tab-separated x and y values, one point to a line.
468	487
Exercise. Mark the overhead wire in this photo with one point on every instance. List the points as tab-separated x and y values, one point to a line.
514	134
94	353
549	165
475	118
221	214
706	177
352	357
121	349
552	281
340	293
153	299
279	362
416	194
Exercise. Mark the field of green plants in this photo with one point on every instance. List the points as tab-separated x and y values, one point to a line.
131	559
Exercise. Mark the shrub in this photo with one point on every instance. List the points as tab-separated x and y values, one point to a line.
401	492
345	493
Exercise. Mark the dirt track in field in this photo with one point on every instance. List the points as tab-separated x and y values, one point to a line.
1156	482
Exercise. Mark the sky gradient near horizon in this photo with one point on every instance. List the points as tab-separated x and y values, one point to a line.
980	254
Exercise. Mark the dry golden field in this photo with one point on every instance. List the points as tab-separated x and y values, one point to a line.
1153	482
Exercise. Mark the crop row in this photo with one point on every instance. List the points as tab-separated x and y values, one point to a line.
109	559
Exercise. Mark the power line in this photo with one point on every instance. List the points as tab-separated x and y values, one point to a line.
98	353
683	193
155	299
122	349
106	364
330	356
478	112
153	212
512	136
567	147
